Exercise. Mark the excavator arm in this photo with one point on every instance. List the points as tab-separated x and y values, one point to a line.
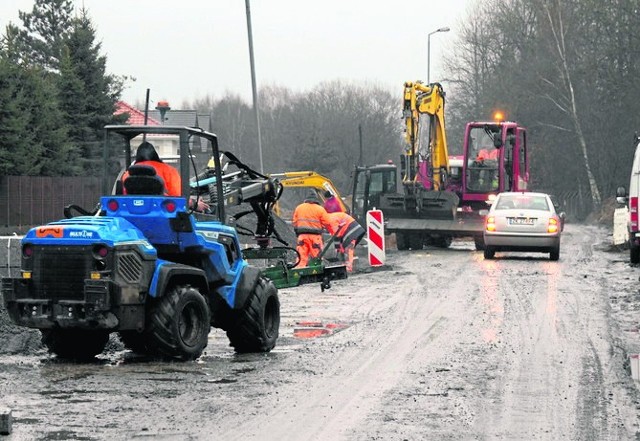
424	100
310	180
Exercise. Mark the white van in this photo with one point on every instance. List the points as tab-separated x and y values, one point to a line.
631	201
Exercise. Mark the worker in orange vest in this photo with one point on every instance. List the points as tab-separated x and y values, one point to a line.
348	232
310	219
146	155
488	154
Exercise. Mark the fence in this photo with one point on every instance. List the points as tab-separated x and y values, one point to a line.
34	200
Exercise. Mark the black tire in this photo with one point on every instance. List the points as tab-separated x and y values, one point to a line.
402	241
489	253
555	254
634	252
178	324
479	243
76	344
134	341
258	323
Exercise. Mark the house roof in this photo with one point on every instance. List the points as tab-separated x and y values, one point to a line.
188	118
136	117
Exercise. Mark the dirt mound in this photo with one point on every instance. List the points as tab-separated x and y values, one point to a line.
16	339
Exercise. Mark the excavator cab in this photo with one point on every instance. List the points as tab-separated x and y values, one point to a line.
369	183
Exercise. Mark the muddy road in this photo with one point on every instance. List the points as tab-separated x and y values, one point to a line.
441	345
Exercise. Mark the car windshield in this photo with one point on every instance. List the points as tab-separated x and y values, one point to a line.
523	202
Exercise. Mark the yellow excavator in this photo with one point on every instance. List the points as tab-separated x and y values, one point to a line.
297	185
426	157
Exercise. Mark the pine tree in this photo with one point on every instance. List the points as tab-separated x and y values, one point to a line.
88	93
17	151
61	63
46	29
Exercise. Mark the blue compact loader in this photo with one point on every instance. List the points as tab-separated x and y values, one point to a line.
146	265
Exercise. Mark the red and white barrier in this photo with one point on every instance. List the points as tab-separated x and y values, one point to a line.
375	237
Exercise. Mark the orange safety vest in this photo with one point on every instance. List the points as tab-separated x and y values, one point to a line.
168	174
347	228
311	218
486	154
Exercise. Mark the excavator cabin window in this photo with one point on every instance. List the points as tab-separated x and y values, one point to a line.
482	161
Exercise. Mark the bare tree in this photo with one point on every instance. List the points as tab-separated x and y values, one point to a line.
565	97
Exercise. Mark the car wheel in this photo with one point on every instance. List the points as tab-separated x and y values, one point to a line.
555	253
479	243
489	252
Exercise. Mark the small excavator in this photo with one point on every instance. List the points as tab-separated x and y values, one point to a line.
441	196
304	181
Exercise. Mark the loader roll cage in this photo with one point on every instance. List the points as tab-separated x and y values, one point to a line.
185	136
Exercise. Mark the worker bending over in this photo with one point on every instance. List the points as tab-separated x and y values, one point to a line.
348	233
310	219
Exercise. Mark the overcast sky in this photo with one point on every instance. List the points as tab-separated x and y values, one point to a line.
194	48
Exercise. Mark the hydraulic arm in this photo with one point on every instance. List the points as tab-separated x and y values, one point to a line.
426	143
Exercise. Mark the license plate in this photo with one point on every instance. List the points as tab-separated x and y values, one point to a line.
520	220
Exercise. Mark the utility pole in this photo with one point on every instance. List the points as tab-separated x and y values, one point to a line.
253	83
360	159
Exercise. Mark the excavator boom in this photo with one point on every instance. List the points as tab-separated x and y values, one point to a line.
426	156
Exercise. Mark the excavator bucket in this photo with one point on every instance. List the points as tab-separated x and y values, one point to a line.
438	205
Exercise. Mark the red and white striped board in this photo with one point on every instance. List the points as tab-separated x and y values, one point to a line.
375	236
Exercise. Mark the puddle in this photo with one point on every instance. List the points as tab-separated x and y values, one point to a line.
314	329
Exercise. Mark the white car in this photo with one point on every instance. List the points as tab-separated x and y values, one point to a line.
523	221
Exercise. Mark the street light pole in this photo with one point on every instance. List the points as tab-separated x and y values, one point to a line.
445	29
254	88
